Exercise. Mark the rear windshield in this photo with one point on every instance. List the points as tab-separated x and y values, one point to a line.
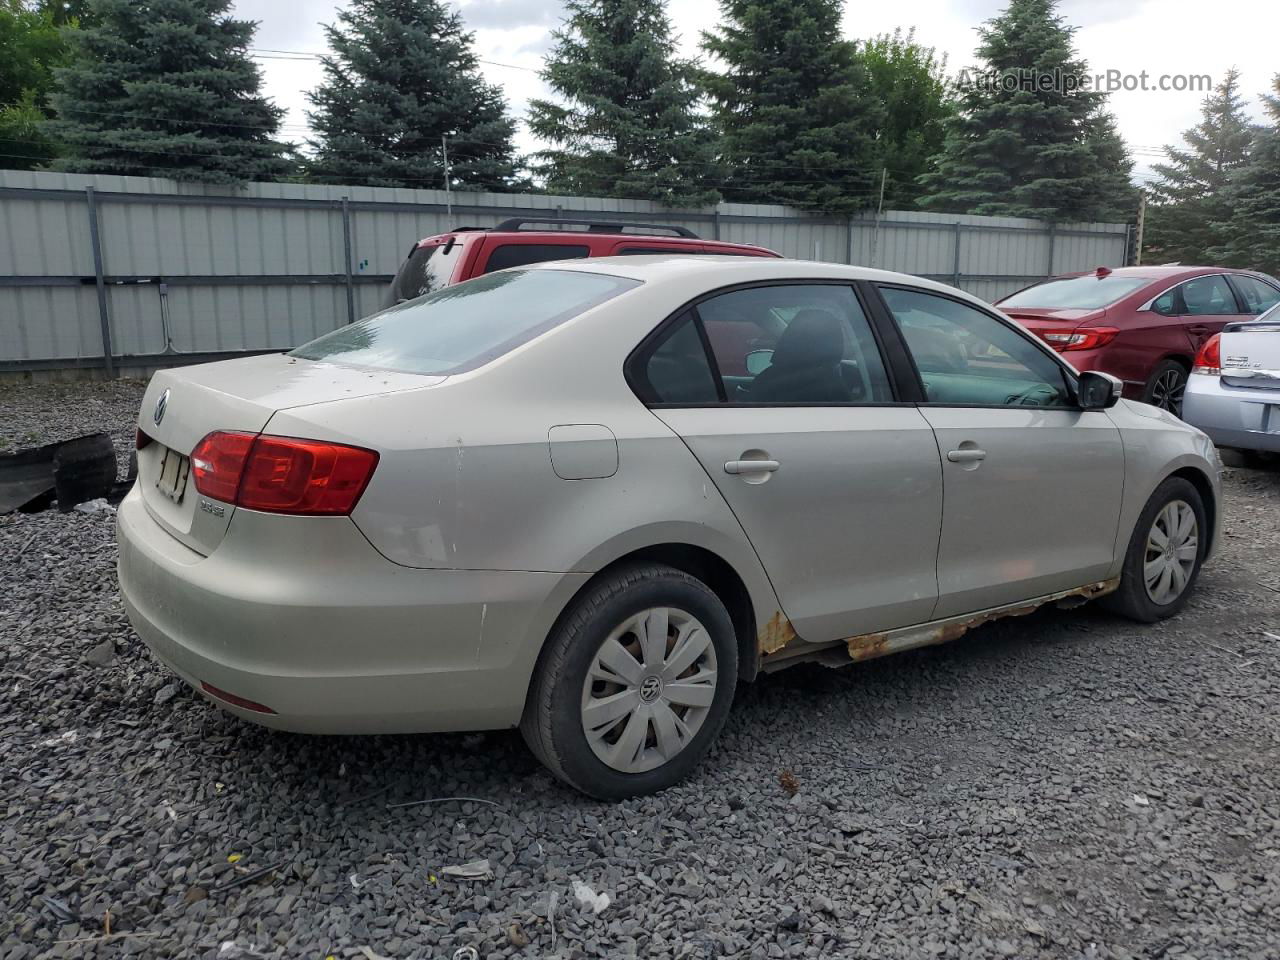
424	270
1076	293
465	326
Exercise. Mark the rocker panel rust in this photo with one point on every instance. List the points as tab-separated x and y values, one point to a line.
778	632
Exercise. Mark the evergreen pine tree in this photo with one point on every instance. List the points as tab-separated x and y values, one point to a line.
1027	138
166	89
1192	195
627	124
1110	196
401	76
793	107
1250	236
910	82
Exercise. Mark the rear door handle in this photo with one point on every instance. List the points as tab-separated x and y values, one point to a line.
1198	329
967	455
751	466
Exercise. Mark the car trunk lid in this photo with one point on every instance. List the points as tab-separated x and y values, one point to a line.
1250	355
183	405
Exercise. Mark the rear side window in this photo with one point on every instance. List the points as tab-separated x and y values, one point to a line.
1209	296
1075	293
677	370
1258	296
424	270
466	326
523	254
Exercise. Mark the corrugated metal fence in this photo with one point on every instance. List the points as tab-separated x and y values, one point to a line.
171	273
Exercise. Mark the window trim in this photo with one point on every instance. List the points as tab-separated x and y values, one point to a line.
1069	376
632	367
1149	305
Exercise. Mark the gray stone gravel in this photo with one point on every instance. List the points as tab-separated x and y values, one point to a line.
1062	785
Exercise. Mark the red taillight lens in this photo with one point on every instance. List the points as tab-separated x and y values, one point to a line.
1079	338
140	440
1209	359
217	463
281	474
284	475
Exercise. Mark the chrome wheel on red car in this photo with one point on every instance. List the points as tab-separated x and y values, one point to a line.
1166	387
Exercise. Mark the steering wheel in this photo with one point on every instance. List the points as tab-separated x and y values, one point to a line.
1036	396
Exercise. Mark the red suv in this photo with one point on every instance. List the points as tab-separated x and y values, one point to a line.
1141	324
467	252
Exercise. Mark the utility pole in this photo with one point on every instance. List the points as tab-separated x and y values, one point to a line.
875	236
1142	222
448	197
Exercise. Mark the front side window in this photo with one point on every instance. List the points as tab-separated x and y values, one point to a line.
465	326
969	358
523	254
1258	296
794	344
1208	297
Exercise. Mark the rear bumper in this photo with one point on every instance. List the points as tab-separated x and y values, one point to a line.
303	616
1244	419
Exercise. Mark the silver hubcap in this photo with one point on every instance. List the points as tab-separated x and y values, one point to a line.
1172	549
649	689
1166	392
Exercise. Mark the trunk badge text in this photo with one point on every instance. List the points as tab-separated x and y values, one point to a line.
161	405
209	507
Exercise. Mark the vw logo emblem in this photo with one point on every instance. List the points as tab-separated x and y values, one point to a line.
161	405
650	687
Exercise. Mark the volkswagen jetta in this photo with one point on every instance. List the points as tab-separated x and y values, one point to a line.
588	499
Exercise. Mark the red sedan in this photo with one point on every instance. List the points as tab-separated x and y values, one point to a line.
1141	324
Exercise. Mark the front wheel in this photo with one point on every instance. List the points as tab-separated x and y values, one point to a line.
633	684
1164	554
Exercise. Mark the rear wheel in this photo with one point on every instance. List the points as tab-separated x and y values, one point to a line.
1164	555
633	684
1166	387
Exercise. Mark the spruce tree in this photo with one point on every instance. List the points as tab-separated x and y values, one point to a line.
627	124
1192	195
1110	195
403	75
910	82
166	88
1028	137
1250	236
793	106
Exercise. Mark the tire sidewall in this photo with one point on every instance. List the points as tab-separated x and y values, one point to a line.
1174	488
579	761
1148	393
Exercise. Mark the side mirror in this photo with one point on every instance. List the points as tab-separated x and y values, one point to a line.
758	361
1098	391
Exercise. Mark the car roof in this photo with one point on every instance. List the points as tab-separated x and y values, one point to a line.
728	270
1169	271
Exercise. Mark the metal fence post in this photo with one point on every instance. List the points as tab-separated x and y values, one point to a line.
1052	237
848	241
104	317
346	248
715	224
955	269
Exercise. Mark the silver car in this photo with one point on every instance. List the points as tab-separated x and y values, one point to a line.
1233	394
588	499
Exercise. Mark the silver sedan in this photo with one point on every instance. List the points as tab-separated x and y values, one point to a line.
587	500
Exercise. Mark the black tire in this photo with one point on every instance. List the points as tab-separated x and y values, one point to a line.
1165	387
1132	599
552	723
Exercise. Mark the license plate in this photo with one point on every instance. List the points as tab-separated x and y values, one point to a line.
172	481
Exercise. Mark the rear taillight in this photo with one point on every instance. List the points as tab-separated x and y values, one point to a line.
1079	338
1209	359
282	474
217	463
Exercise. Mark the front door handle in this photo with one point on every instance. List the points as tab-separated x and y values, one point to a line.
737	467
967	455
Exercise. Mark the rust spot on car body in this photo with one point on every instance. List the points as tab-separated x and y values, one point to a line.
868	646
777	633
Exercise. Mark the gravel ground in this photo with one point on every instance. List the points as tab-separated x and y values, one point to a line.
1062	785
